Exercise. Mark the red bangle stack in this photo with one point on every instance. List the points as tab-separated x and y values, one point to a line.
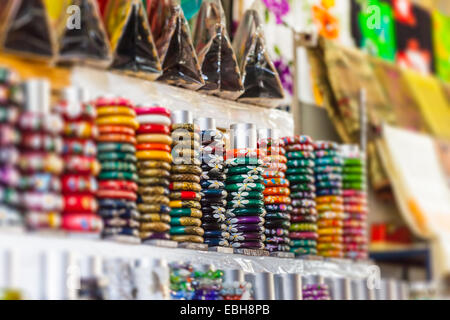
79	182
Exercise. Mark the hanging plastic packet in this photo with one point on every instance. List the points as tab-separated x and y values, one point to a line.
83	37
174	43
26	30
261	80
131	39
215	53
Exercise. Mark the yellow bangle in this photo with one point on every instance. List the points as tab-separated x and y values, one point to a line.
110	111
175	204
154	155
118	120
154	138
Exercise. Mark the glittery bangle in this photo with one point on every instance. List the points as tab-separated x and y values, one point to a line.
117	222
86	148
154	227
188	169
79	203
185	230
154	164
187	238
118	166
185	221
185	195
154	217
155	199
185	186
153	208
185	204
119	175
301	163
116	156
154	182
186	212
150	173
303	227
330	231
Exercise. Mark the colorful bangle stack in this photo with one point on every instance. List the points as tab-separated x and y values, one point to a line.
213	187
300	174
117	124
181	287
185	188
208	284
328	174
245	205
40	186
154	164
355	203
79	187
316	292
9	153
276	196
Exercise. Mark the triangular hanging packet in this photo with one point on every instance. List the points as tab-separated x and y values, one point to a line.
175	48
261	80
134	51
87	41
216	56
27	30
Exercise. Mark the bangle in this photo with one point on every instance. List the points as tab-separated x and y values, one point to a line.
154	155
153	208
297	139
154	182
118	185
118	166
116	101
330	223
303	227
244	178
304	187
116	194
153	191
189	169
186	212
86	148
115	129
248	245
80	129
185	178
120	223
311	212
111	232
120	138
300	155
185	221
115	147
330	231
243	162
249	170
185	186
273	174
154	227
184	230
187	238
245	187
280	232
186	126
301	163
118	175
279	207
276	224
325	145
276	182
185	204
245	203
234	228
116	156
119	121
246	195
303	235
153	119
185	195
277	199
214	193
156	199
246	220
115	110
153	110
154	164
235	212
154	217
330	207
160	173
154	146
299	147
116	204
279	191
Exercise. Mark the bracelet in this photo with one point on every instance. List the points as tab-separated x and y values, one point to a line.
154	217
153	110
154	155
115	110
164	200
116	156
260	211
154	182
281	191
185	221
276	182
78	183
187	238
297	139
246	195
245	203
185	195
248	170
153	208
115	147
185	230
154	227
118	166
185	204
115	129
116	194
154	146
118	185
154	173
153	119
120	138
126	121
244	178
277	199
79	203
245	187
214	193
299	147
153	191
186	212
118	213
301	171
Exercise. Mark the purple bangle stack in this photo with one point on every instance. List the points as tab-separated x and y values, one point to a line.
9	154
316	292
40	159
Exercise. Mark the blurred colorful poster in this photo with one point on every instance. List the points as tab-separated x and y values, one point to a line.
413	28
373	27
441	42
